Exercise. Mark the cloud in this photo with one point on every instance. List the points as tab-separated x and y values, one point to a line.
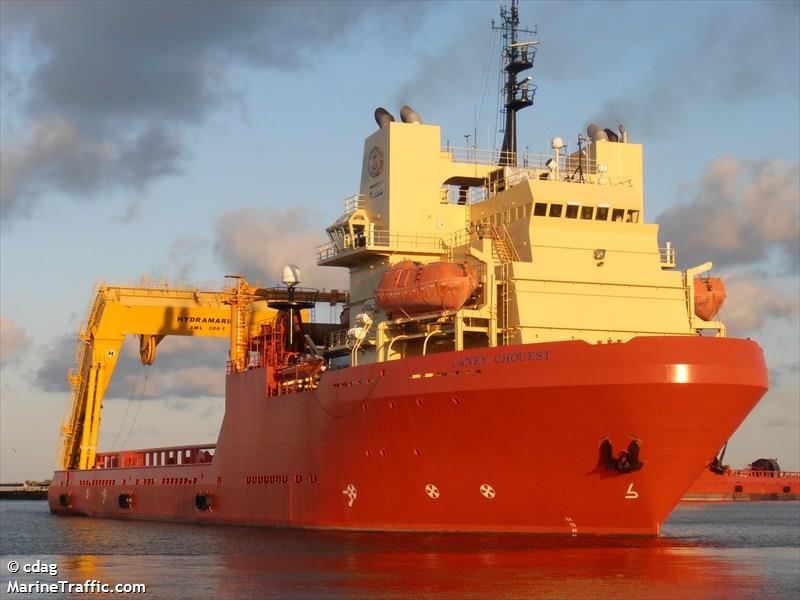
259	242
53	155
752	299
132	213
741	213
13	341
103	91
183	257
438	73
185	367
708	63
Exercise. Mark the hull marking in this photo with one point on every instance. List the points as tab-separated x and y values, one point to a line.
351	493
432	491
572	526
487	491
631	494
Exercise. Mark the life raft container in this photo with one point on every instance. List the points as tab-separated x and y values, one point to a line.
414	288
709	296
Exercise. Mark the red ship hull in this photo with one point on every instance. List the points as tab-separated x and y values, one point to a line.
495	439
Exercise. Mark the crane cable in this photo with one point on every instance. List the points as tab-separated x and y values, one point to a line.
112	446
484	90
138	408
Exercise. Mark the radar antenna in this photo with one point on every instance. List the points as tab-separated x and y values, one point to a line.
517	57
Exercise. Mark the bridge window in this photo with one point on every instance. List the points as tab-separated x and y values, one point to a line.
617	214
540	209
572	211
555	210
633	216
602	213
586	212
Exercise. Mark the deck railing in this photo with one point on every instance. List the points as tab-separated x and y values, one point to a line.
156	457
381	239
756	474
353	203
667	255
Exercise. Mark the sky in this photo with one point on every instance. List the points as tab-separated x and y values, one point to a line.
181	141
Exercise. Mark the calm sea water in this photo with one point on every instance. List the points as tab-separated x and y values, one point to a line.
732	551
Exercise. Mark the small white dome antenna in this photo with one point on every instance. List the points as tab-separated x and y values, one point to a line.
290	276
556	144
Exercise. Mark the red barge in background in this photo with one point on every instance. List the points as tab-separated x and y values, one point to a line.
763	479
567	378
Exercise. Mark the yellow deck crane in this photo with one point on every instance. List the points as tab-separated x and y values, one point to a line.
235	312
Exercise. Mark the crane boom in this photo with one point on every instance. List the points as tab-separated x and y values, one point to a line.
152	314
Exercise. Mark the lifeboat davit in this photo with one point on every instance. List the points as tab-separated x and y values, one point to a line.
414	288
709	296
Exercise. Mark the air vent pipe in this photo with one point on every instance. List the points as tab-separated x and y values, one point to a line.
596	133
409	115
383	116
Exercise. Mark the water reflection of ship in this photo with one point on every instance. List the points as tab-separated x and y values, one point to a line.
490	566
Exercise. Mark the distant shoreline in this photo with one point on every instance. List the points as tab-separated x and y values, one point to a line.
30	490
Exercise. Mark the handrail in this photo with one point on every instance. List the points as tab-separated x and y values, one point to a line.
337	338
384	239
527	160
155	457
667	256
353	203
763	474
510	241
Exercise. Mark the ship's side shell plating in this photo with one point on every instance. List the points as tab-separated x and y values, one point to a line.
503	439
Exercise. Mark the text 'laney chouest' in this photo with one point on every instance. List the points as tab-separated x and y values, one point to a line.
506	357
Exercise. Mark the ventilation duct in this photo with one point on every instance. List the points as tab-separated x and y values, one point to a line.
383	116
409	115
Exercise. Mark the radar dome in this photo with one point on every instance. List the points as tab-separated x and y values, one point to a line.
291	275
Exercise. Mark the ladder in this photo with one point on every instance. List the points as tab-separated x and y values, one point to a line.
71	427
502	253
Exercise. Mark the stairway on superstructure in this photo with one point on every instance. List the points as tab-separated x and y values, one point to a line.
502	253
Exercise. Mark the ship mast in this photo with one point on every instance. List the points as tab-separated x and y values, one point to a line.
517	57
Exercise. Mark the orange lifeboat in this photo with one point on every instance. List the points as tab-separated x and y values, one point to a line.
302	370
414	288
709	296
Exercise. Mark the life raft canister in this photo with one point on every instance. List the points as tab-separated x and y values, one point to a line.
709	296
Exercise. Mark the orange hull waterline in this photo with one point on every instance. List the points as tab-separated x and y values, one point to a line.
516	354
